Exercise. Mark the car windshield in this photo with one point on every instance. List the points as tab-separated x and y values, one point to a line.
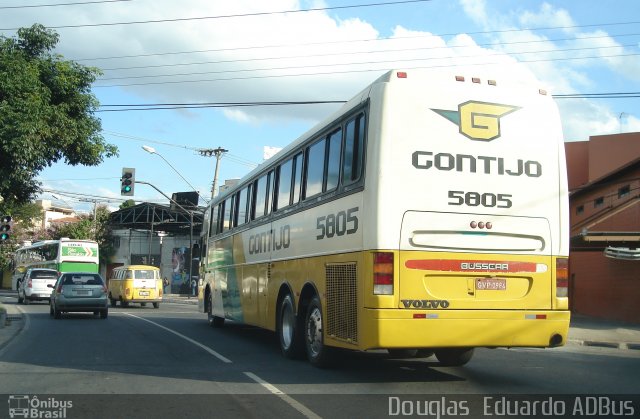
44	274
145	274
79	279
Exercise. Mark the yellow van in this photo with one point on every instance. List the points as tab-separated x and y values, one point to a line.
135	284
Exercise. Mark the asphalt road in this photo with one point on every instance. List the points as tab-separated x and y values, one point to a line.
168	362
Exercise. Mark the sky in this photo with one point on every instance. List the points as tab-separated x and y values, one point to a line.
156	56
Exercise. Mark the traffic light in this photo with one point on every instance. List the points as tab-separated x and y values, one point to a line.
127	181
5	228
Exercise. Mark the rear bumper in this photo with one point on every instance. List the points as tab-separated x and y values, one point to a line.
142	300
82	304
463	328
37	294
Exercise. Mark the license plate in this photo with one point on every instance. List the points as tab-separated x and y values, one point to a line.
492	284
143	293
83	292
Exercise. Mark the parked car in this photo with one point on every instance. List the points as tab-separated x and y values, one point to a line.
34	284
78	292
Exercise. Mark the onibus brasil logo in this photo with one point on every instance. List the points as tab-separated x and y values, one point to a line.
26	406
478	120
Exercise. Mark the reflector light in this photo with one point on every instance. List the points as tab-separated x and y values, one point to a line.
488	225
491	82
383	273
562	277
481	224
542	92
459	78
420	316
401	74
475	80
473	224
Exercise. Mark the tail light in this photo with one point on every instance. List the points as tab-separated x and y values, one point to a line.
59	289
30	283
383	273
562	277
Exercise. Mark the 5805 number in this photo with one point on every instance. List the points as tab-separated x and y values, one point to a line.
475	199
344	222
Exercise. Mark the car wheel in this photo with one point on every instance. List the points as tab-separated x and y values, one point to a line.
214	321
95	313
143	304
26	300
454	357
156	305
318	354
50	310
57	314
289	329
104	313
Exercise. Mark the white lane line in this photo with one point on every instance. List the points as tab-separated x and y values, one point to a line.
270	387
306	412
188	339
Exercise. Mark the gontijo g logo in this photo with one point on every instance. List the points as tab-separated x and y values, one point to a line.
478	120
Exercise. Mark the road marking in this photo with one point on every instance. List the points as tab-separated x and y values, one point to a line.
285	397
188	339
270	387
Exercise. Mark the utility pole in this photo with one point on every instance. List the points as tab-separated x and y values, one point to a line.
218	152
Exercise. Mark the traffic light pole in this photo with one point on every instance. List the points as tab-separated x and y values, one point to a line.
190	227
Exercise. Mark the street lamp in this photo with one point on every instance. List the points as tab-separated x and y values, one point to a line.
152	150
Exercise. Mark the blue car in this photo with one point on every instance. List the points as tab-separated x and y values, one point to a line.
79	292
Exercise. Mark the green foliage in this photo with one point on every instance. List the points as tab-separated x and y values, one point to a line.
47	112
127	204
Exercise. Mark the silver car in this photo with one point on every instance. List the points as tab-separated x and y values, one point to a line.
34	285
79	291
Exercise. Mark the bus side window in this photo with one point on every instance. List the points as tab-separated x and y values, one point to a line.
297	178
228	213
260	198
333	161
353	150
314	169
283	189
213	221
242	206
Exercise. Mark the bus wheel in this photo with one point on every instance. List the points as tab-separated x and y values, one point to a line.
112	300
454	357
156	305
318	354
289	330
214	321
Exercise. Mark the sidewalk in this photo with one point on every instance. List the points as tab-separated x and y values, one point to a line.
583	330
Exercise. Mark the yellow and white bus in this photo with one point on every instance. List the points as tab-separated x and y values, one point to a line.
430	213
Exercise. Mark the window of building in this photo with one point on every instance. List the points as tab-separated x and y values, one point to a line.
598	202
624	191
579	209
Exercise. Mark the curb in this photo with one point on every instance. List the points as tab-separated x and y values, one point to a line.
605	344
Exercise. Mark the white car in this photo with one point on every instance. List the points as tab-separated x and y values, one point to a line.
34	285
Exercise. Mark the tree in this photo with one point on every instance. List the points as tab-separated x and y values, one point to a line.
47	113
128	204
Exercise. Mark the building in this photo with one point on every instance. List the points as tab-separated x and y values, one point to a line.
54	211
604	185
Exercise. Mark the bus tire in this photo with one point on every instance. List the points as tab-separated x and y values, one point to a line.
318	354
214	321
289	329
113	301
454	357
156	305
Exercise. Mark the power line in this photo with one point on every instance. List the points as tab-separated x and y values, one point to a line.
498	54
185	19
368	70
62	4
